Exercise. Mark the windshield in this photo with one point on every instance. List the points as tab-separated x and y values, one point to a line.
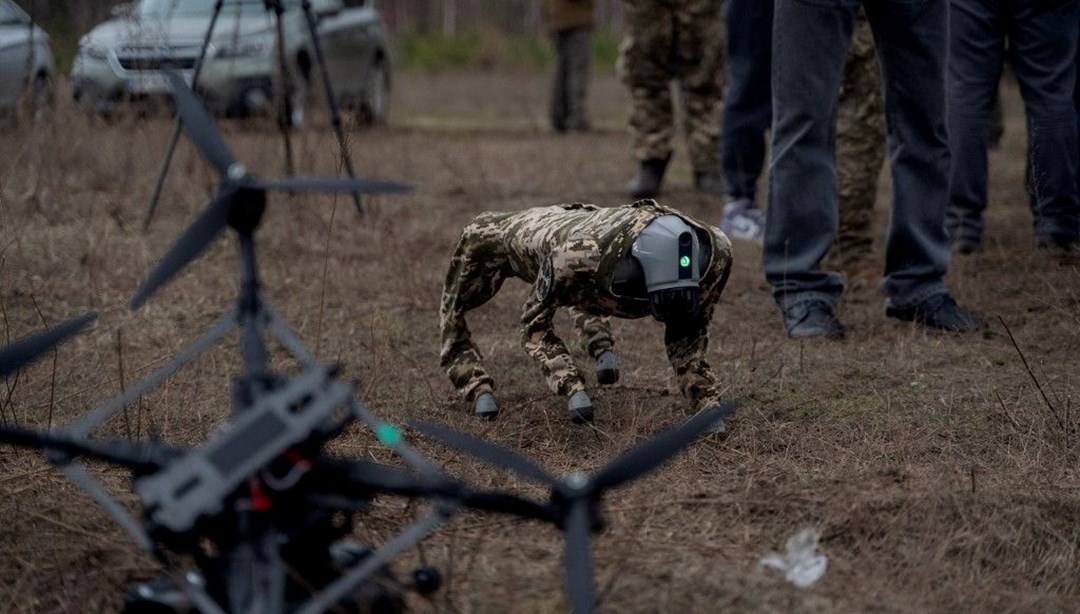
10	14
188	8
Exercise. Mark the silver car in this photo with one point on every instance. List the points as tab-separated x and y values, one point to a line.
26	59
122	59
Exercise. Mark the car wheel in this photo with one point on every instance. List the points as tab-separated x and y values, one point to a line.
375	106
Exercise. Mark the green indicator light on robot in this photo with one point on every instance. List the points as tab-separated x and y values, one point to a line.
684	261
388	434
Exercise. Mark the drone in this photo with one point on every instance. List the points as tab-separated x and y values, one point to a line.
259	517
263	493
277	7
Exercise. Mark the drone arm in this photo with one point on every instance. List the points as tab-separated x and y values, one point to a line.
406	539
84	425
391	437
347	477
285	335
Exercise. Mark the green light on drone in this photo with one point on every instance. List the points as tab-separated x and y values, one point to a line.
684	261
388	434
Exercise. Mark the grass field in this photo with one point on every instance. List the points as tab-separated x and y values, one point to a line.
941	471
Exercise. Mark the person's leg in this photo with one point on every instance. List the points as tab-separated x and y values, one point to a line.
559	89
860	151
976	52
700	57
1043	55
810	40
911	44
645	58
475	275
747	110
579	58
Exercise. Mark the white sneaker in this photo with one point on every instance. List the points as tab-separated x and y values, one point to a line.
743	220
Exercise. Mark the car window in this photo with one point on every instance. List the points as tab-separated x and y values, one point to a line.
355	4
9	13
169	8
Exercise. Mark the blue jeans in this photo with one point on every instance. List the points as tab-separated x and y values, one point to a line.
810	39
1042	46
747	102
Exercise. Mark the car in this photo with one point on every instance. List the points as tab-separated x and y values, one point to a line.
123	59
26	58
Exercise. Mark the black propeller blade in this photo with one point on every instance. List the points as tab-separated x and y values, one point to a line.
189	246
141	457
335	184
200	125
659	449
29	348
579	573
496	455
574	499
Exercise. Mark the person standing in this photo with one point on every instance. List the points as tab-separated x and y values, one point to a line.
681	41
1042	42
570	23
747	115
810	40
860	136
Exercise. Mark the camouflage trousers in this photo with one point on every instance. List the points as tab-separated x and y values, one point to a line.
860	148
478	268
680	40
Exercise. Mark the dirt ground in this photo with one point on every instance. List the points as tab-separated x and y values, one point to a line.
940	470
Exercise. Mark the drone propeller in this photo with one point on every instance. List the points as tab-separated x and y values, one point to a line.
200	126
241	197
138	456
29	348
574	499
198	236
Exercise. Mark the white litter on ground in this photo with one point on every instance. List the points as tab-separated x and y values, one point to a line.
802	564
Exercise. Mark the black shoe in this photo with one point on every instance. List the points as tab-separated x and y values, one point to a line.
941	312
812	319
646	183
1059	242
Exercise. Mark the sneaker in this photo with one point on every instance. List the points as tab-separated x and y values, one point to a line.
486	407
810	319
743	220
607	370
939	312
579	408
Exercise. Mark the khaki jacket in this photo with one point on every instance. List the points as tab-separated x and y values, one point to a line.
562	15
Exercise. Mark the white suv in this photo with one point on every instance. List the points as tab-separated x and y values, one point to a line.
26	59
122	59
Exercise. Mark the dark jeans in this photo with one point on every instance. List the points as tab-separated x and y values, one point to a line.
747	102
568	94
1042	48
810	39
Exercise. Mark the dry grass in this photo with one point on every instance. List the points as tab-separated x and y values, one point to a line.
940	478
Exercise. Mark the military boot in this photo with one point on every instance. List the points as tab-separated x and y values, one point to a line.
650	174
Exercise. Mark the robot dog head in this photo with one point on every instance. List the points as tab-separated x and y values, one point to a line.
672	260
